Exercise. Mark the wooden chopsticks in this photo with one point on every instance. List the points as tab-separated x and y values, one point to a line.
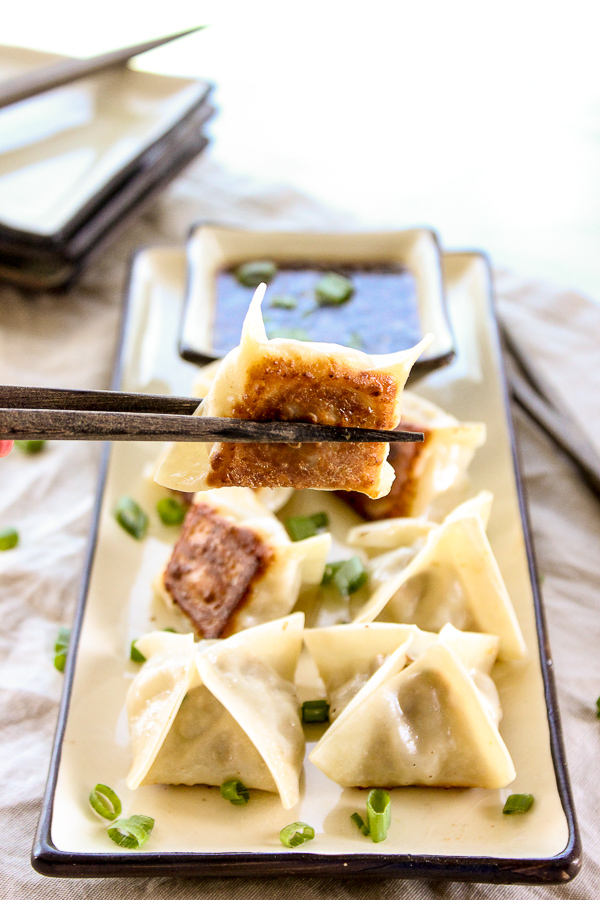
33	413
47	77
537	398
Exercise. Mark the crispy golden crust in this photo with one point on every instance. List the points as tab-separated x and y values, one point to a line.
404	458
331	393
213	568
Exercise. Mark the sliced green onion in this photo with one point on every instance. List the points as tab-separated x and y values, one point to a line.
355	341
284	301
518	803
105	802
135	655
30	447
251	274
301	527
295	834
598	707
348	576
333	289
131	517
360	824
9	538
292	334
171	630
61	647
132	832
315	711
379	814
236	792
171	511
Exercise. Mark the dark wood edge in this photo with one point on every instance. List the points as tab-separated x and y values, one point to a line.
200	356
48	860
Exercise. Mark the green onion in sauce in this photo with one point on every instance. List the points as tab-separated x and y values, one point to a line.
333	289
360	824
251	274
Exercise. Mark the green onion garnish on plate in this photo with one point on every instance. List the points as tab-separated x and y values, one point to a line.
333	289
315	711
598	707
301	527
236	792
295	834
379	814
105	802
135	655
61	647
9	538
131	833
251	274
131	517
518	803
348	576
30	447
171	511
358	820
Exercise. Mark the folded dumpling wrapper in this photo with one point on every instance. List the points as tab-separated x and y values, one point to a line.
219	710
347	656
427	473
423	724
234	565
288	380
448	575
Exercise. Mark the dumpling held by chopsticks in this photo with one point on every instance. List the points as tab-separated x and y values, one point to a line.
298	381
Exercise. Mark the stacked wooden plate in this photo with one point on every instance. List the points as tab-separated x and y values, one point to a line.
77	163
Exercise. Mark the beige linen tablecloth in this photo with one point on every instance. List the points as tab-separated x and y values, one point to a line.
70	341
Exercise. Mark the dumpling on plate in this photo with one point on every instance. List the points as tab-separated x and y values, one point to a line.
219	710
234	566
448	574
288	380
423	724
347	656
424	471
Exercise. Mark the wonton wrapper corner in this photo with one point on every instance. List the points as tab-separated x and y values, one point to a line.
215	711
288	380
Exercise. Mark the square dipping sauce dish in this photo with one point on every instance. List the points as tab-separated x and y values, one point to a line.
398	291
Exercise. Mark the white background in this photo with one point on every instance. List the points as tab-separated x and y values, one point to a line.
481	119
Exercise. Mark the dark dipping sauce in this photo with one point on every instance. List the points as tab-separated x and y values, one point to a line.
381	316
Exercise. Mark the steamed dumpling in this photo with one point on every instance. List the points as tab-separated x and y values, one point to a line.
289	380
234	565
426	724
424	471
219	710
448	574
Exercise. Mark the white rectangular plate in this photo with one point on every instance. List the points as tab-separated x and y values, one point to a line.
60	149
442	833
